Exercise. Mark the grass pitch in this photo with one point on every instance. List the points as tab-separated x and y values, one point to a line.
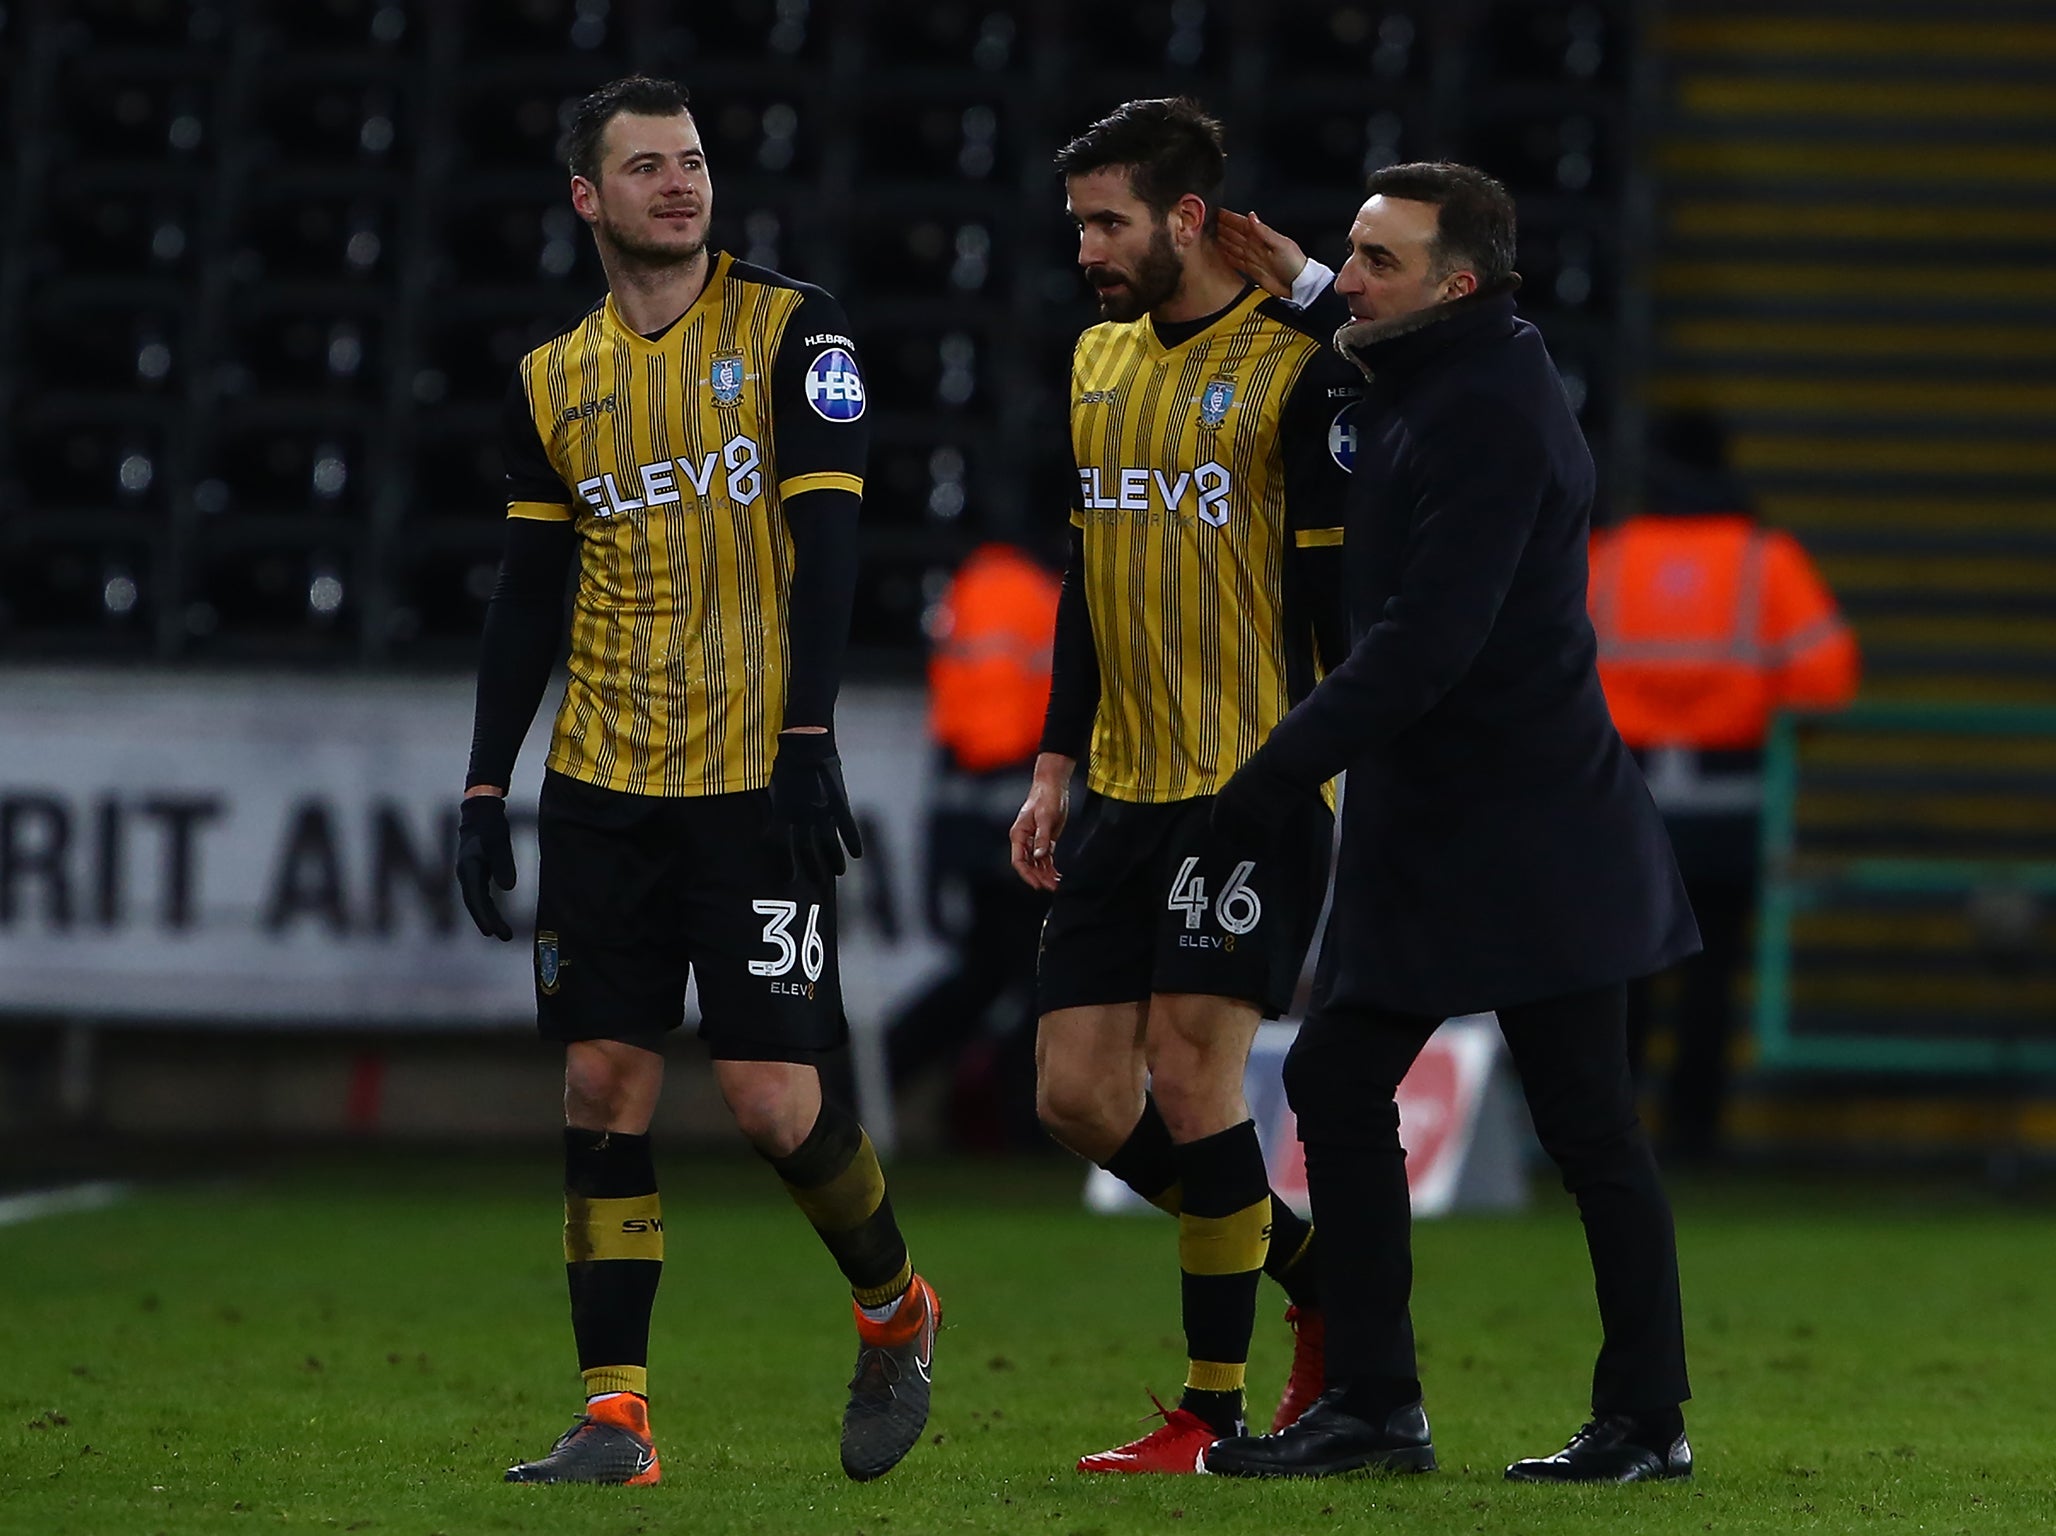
364	1347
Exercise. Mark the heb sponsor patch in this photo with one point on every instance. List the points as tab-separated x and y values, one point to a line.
1342	439
835	388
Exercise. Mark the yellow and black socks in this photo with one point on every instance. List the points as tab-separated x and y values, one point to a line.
834	1178
1224	1232
613	1255
1147	1162
1291	1259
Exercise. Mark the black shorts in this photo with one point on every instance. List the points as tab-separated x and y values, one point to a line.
1150	903
639	892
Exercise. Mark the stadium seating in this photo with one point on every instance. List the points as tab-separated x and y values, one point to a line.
266	268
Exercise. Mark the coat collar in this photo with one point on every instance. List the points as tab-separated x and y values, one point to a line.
1405	342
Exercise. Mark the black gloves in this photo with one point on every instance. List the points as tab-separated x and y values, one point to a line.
810	810
485	857
1253	806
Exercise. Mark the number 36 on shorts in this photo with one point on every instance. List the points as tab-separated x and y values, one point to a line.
807	952
1237	907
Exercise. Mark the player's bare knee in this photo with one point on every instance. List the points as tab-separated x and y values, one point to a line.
1089	1114
1197	1093
1067	1106
769	1106
595	1087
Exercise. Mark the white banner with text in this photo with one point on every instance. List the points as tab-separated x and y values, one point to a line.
272	848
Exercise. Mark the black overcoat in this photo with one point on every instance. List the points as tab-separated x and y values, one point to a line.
1498	843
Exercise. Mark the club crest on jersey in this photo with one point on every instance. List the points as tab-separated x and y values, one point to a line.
725	378
1214	401
548	964
834	387
1342	439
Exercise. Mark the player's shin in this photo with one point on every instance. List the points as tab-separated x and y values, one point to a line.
835	1179
1290	1260
1224	1234
1147	1162
613	1255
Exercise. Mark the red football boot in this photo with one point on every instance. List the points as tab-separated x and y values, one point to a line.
1309	1364
1179	1444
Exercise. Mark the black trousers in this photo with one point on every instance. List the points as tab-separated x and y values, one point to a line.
1571	1053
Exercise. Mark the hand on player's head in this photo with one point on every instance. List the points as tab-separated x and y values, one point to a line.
1270	260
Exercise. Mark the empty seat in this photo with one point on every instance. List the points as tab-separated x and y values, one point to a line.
1364	43
959	35
306	351
371	28
519	237
1553	151
1331	149
263	584
1568	268
1579	43
99	458
913	369
84	340
97	581
442	585
113	109
548	29
929	141
468	355
759	130
158	25
931	259
317	232
458	474
318	117
921	482
514	120
293	467
127	221
886	616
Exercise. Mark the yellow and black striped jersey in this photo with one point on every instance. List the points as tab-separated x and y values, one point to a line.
1205	454
673	457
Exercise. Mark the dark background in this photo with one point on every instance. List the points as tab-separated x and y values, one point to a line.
266	265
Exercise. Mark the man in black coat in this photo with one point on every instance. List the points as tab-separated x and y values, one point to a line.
1499	849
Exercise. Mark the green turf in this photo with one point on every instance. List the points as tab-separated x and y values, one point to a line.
365	1348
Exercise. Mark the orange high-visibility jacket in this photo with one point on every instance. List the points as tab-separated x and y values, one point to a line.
1708	626
988	674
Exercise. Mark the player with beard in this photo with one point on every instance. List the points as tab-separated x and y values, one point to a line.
695	447
1210	434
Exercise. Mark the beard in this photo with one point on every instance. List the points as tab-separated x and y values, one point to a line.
1156	277
649	253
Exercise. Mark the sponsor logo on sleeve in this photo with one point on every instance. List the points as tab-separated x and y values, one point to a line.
835	389
1342	440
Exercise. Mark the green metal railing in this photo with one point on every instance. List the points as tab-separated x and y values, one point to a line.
1796	881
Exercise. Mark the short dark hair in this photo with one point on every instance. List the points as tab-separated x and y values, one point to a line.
636	95
1167	144
1474	219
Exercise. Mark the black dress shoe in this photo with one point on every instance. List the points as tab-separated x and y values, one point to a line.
1605	1451
1326	1440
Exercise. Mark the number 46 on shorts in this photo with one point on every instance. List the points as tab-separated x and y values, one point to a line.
1237	908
